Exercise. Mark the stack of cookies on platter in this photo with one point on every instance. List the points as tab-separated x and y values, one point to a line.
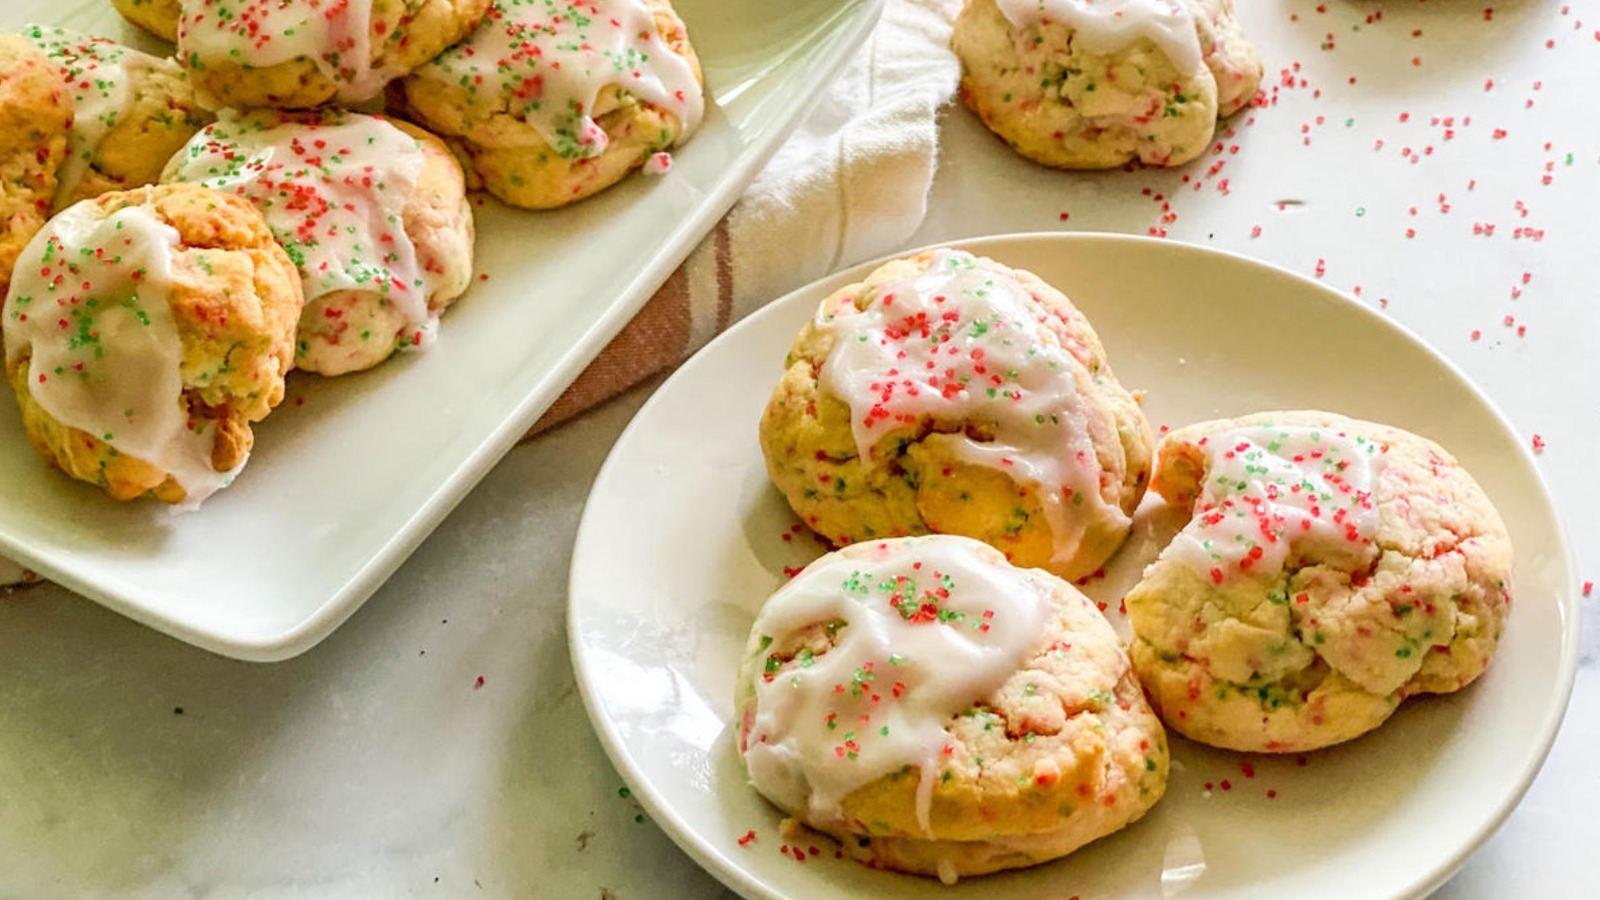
178	233
938	696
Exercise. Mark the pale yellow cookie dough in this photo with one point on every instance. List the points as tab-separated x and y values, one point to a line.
132	112
1324	648
914	481
234	297
505	155
1058	103
404	34
1066	750
159	17
35	116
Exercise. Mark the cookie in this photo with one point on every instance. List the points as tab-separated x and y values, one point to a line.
547	108
132	111
296	54
159	17
145	331
949	393
1332	569
1080	85
941	712
373	212
35	116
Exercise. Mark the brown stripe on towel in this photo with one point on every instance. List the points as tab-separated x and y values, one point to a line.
658	337
724	247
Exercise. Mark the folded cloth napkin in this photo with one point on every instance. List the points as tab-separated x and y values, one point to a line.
850	184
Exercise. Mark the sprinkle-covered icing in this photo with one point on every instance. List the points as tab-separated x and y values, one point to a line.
100	74
1106	27
333	187
91	302
547	61
334	34
922	630
962	342
1273	490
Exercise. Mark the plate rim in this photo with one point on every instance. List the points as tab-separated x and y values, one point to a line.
849	25
737	878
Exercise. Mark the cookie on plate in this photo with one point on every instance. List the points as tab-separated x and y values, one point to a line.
373	212
159	17
1094	85
131	112
547	108
949	393
296	54
941	712
1332	568
145	331
35	116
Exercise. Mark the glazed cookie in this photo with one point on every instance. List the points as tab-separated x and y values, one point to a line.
159	17
373	212
941	712
145	332
35	116
132	111
948	393
1091	85
548	107
296	54
1332	568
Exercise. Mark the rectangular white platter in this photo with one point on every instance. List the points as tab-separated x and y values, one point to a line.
349	475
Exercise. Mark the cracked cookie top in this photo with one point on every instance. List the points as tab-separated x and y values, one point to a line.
1331	568
940	711
949	393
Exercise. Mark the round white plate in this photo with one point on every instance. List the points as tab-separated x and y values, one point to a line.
683	539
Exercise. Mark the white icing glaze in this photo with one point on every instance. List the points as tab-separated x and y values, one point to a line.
100	74
333	187
546	61
91	301
961	342
931	627
334	34
1275	490
1106	27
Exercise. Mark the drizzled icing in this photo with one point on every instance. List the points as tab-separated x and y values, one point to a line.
547	62
100	74
962	342
91	301
927	627
1107	26
333	187
1275	490
336	35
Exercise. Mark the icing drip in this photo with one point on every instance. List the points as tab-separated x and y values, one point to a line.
1106	27
334	34
547	62
926	628
99	73
333	187
1275	490
961	342
91	301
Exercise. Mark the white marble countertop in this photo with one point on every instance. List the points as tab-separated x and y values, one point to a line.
436	745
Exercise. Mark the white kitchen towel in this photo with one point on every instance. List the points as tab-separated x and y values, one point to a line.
850	184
